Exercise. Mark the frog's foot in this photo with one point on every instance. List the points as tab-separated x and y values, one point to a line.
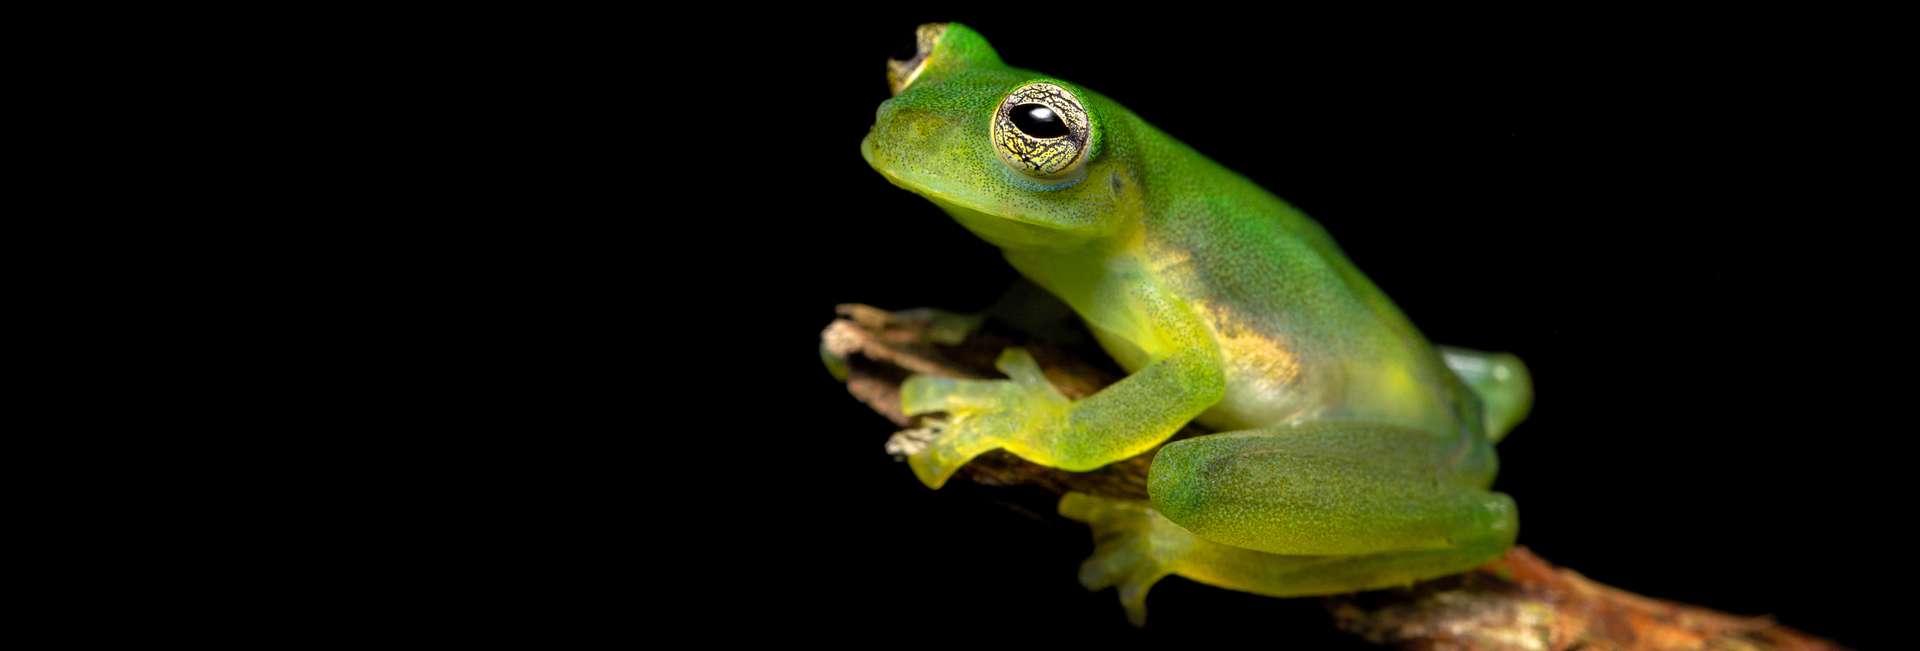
1500	380
935	325
1022	413
1136	546
1133	548
944	327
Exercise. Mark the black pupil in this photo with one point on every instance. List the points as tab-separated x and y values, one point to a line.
1038	121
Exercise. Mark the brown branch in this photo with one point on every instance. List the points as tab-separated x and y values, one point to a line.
1516	602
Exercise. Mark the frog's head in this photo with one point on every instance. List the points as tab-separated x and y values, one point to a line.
1021	159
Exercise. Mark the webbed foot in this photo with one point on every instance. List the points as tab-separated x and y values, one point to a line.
1132	548
1018	413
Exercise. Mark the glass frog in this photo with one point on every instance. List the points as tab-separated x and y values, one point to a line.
1351	453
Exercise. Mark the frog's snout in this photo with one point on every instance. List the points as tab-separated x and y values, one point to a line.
900	133
882	115
896	124
882	120
909	143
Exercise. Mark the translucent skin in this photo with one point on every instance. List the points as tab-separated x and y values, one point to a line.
1355	454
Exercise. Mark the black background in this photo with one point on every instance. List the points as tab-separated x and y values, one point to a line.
1661	216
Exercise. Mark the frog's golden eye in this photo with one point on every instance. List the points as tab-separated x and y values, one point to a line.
1042	130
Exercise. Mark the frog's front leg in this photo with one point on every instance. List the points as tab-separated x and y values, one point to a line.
1026	416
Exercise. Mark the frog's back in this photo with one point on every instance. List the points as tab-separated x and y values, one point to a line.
1304	334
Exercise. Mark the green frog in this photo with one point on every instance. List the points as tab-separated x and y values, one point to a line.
1351	453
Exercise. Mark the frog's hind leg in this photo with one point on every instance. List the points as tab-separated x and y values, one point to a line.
1304	509
1135	547
1333	488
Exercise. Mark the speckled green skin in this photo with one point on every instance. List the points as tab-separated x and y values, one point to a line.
1358	455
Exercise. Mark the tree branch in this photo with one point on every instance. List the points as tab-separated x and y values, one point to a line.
1516	602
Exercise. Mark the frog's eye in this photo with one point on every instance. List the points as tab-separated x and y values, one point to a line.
1041	130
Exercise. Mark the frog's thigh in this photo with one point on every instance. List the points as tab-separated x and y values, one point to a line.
1330	488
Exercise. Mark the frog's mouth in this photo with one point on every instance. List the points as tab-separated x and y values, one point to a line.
997	225
931	187
900	74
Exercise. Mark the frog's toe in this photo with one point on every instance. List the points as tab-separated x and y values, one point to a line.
1127	565
936	463
943	327
1124	555
1025	389
925	394
1020	413
950	443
